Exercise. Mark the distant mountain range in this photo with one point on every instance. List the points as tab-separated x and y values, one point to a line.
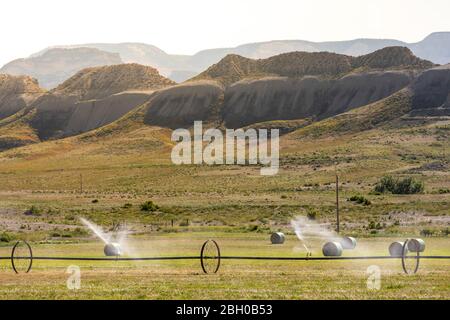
53	65
57	65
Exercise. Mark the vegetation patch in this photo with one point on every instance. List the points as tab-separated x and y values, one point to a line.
408	185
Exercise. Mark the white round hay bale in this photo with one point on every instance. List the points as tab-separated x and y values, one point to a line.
277	238
348	243
112	250
332	249
396	249
416	245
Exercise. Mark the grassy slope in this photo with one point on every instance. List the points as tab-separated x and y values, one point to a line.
127	162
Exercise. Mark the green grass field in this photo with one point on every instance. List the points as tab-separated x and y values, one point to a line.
235	279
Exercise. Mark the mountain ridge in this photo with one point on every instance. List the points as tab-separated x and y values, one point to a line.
434	47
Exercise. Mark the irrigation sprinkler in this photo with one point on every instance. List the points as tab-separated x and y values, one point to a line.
112	250
210	257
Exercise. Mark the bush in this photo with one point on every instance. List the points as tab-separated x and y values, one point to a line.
374	226
5	237
406	185
360	199
127	206
149	206
33	211
311	214
95	201
426	232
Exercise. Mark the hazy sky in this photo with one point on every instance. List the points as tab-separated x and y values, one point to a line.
187	26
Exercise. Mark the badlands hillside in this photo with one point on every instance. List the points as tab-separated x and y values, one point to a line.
239	91
289	91
90	99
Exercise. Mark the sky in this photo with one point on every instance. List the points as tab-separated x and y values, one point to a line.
188	26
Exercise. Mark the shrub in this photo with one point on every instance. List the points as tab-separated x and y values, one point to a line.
127	206
149	206
33	211
426	232
406	185
360	199
311	214
5	237
95	201
374	226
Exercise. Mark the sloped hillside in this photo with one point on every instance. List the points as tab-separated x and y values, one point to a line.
58	64
432	92
234	68
425	100
91	99
281	98
181	105
16	92
290	86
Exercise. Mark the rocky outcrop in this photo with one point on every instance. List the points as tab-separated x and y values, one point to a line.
17	92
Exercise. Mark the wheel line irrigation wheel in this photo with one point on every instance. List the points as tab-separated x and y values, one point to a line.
21	257
405	257
210	257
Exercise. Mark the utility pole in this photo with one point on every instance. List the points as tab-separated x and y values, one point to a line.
337	200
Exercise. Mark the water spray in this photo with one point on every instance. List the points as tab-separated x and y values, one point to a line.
111	249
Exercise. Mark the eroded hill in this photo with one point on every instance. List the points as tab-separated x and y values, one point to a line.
234	68
239	91
91	99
